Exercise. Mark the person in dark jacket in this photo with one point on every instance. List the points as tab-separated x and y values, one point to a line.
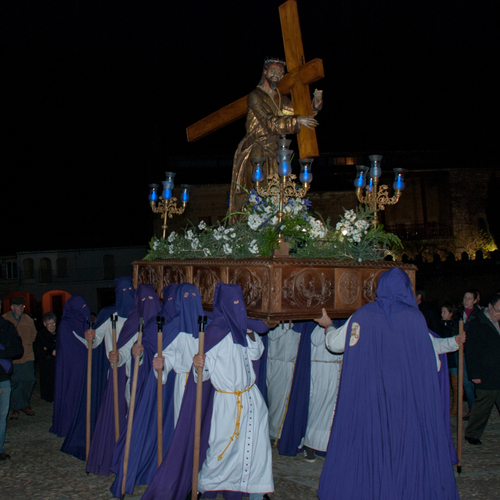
449	328
45	352
483	365
11	347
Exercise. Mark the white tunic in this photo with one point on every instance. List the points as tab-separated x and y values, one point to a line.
245	463
105	333
325	376
281	356
179	357
335	341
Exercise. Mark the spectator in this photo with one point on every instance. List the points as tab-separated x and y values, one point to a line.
430	315
23	371
45	351
483	362
449	328
11	347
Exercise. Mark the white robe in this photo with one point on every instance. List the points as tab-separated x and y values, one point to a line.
105	333
246	463
282	350
325	376
179	357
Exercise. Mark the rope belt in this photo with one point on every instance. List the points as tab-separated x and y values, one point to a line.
337	361
239	407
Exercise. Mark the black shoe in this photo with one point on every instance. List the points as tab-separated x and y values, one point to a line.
472	440
266	497
4	456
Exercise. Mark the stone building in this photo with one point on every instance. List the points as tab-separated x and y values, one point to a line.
48	278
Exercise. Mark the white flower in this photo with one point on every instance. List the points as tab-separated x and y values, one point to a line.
227	249
207	252
253	247
172	236
195	243
254	221
189	235
202	225
156	244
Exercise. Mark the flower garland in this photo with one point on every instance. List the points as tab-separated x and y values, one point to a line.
256	232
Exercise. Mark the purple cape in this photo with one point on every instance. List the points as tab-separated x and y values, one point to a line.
185	301
147	305
388	439
70	390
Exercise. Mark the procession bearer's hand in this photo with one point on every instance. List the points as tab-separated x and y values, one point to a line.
460	338
158	363
137	349
325	320
199	360
89	336
114	356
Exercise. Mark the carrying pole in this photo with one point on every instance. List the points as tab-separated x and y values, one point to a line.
130	419
202	321
89	392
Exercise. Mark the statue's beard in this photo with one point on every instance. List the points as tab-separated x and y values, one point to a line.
273	84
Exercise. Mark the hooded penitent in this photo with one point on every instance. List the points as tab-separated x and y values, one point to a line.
388	439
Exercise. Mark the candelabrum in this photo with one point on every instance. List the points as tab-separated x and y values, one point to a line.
281	185
375	196
165	203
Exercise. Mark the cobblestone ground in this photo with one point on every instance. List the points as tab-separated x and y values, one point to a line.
39	470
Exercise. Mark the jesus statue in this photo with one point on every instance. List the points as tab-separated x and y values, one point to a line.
270	115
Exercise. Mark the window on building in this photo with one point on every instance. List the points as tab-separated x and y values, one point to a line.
9	270
45	270
28	269
62	267
108	262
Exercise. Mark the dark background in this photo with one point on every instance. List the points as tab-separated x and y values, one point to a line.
96	96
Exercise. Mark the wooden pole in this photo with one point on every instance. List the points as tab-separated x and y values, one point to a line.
89	393
131	410
159	322
202	320
460	397
115	381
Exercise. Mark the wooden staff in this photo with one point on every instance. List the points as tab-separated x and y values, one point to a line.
160	321
89	392
131	409
460	396
202	321
114	319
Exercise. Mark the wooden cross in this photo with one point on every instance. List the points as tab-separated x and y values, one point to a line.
300	75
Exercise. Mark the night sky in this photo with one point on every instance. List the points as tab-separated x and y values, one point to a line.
96	95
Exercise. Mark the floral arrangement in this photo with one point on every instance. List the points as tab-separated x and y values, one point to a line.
255	233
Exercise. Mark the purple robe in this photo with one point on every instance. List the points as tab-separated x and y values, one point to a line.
388	439
71	364
147	305
182	306
70	390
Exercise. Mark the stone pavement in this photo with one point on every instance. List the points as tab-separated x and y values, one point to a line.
38	470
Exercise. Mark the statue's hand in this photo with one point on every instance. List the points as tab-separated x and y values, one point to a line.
308	121
317	101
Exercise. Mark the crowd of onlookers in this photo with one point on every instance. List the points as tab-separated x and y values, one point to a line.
481	366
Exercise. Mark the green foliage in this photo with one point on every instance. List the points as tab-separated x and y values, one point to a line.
256	232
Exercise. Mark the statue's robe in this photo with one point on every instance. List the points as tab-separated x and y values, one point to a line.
267	120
